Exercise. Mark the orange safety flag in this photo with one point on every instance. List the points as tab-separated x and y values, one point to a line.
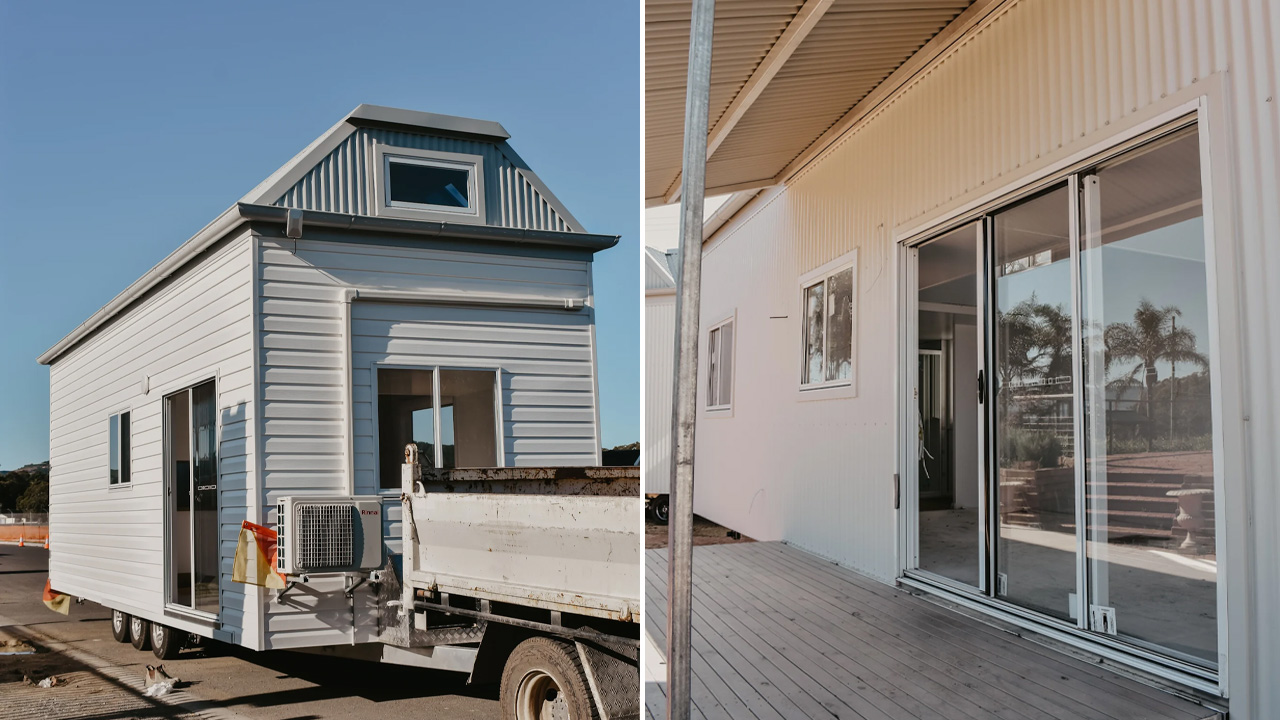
255	562
55	600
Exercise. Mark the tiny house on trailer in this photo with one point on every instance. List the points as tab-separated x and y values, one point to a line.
405	280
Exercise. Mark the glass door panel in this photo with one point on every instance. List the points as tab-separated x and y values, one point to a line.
204	496
1149	422
1033	481
948	414
178	445
191	436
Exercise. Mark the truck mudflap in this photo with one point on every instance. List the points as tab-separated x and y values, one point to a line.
614	677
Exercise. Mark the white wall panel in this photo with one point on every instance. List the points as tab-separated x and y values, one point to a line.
659	362
1038	83
548	388
108	542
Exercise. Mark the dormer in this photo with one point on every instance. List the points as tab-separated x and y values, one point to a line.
408	165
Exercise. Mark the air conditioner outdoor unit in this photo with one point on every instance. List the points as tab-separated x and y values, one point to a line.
319	534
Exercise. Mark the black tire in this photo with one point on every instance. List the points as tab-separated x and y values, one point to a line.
543	678
120	626
139	633
166	642
662	509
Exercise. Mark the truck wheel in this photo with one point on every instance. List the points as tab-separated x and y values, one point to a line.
165	641
662	509
139	633
120	626
543	680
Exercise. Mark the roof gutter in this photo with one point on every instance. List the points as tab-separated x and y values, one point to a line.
240	213
429	228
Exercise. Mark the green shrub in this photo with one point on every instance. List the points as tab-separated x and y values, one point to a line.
1041	447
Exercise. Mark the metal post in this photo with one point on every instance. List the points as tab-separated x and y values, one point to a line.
684	406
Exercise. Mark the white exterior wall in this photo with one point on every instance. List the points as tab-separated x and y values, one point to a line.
546	355
659	362
1040	83
108	542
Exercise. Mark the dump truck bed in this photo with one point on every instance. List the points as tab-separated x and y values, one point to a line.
559	539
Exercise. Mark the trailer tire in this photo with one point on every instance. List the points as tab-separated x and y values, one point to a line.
139	633
662	509
166	642
543	678
120	626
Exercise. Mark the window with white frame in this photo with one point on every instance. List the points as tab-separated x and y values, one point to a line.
827	313
119	441
414	183
720	366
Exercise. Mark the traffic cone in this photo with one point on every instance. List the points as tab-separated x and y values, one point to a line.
21	542
46	542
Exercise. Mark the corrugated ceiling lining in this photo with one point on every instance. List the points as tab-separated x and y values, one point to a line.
854	48
745	32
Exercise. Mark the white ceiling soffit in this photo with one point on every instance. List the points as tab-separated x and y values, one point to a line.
786	79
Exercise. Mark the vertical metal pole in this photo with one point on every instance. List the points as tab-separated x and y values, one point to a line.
684	407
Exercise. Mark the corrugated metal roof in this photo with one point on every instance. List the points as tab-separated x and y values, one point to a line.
745	31
850	50
659	269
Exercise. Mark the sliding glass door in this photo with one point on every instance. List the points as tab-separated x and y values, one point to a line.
1032	439
192	487
1152	557
1091	442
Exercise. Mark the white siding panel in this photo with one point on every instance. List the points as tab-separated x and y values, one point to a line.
1040	82
659	362
108	542
548	388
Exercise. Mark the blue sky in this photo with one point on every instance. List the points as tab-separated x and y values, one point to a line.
125	127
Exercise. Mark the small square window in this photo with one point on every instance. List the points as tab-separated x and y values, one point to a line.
720	366
413	182
828	314
419	184
119	440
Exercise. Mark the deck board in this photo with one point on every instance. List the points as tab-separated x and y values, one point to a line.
781	633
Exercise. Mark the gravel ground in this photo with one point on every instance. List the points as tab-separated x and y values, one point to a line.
705	532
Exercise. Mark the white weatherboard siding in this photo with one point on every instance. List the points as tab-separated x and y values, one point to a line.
659	361
108	542
548	390
1038	83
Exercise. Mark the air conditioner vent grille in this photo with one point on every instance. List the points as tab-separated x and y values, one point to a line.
324	535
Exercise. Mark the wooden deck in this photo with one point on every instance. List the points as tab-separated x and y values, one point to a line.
781	633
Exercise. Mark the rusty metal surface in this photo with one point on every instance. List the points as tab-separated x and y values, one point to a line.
600	481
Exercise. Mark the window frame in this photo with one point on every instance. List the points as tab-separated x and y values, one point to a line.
845	387
122	438
435	370
731	321
383	206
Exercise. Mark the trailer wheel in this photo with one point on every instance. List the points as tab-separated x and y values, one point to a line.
662	509
543	680
166	642
139	633
120	626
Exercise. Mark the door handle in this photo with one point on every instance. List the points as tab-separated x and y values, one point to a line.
982	387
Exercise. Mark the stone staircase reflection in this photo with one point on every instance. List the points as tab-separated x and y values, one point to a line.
1138	507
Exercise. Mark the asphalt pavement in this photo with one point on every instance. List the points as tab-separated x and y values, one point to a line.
102	679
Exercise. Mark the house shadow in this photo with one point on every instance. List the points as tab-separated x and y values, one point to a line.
332	677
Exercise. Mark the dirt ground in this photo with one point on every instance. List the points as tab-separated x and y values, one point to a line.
705	532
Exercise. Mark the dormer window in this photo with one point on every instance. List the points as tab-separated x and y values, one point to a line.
429	185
